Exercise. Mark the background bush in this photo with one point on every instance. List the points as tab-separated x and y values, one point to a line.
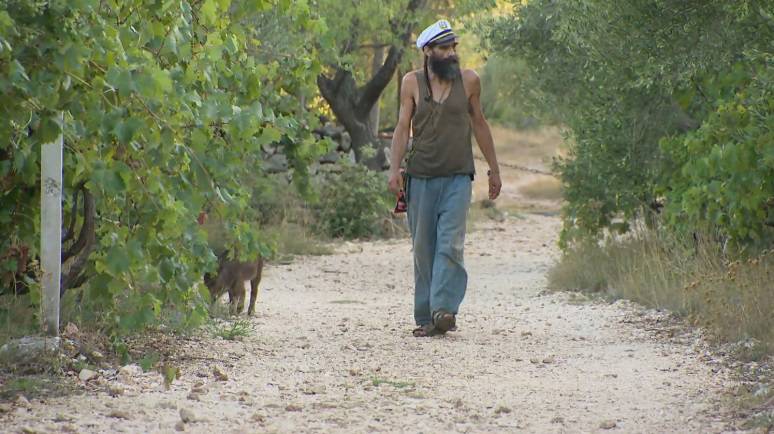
502	87
354	204
721	176
669	178
624	77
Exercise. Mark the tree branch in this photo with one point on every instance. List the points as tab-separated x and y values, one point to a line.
88	224
70	232
370	92
83	247
336	90
408	25
325	85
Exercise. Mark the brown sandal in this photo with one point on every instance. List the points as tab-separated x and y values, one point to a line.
427	330
444	321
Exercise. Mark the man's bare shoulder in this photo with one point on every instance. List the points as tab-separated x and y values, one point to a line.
470	76
410	78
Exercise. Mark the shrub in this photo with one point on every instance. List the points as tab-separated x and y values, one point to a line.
723	174
502	85
620	89
353	204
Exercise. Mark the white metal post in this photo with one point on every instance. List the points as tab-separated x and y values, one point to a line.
51	230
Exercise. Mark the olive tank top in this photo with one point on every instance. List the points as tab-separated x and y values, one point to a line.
442	133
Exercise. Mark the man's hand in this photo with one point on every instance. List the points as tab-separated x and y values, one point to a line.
395	183
494	185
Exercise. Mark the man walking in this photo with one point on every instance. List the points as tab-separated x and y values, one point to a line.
441	103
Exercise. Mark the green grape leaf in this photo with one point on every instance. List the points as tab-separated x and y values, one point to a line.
117	260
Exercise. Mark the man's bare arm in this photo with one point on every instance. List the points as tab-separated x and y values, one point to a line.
483	133
401	134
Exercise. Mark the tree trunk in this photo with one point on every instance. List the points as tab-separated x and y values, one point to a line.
373	118
361	133
80	250
352	105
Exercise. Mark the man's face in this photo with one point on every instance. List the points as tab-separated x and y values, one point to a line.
443	60
444	51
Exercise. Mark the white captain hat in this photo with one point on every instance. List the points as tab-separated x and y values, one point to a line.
437	33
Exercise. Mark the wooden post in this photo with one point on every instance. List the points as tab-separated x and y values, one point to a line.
51	230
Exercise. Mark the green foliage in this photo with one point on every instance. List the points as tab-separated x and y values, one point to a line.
233	330
354	204
167	106
149	361
119	346
352	33
287	219
348	27
723	176
17	317
622	75
349	32
502	86
170	374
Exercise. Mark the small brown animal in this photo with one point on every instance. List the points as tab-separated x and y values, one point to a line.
231	276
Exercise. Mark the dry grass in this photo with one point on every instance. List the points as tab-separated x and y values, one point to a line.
294	239
524	191
527	146
486	210
734	300
542	187
17	317
575	271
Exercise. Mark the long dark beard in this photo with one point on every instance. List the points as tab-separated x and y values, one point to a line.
446	69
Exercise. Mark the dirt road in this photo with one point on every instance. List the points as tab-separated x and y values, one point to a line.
332	351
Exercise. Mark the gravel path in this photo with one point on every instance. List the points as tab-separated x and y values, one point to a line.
332	351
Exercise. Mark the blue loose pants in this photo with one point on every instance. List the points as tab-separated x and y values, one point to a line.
437	211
